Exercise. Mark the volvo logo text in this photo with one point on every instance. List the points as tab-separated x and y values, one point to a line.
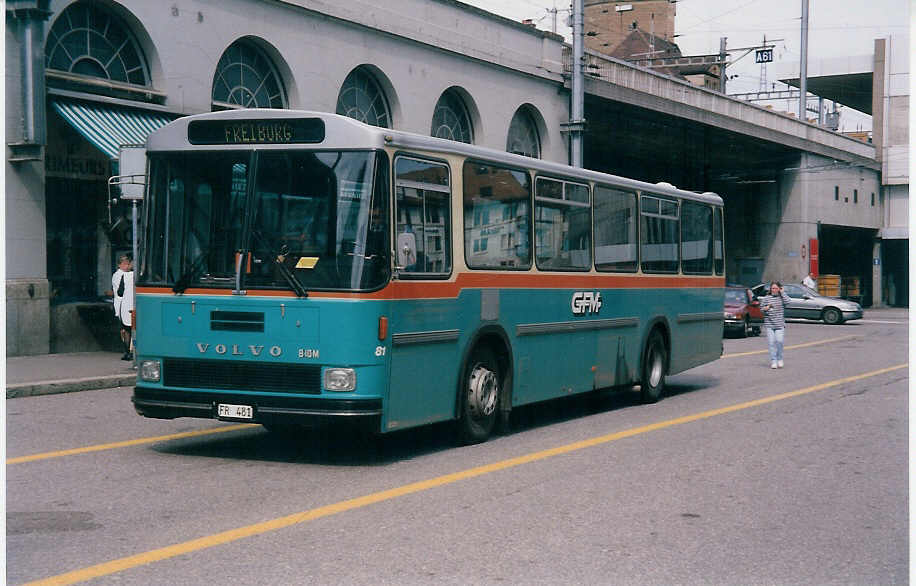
239	350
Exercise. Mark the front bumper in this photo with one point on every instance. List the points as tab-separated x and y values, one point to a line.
852	314
734	323
309	411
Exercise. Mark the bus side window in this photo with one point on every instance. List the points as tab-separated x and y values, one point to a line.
615	230
717	241
497	216
563	225
659	235
423	193
696	238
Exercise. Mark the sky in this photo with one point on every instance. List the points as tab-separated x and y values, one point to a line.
837	28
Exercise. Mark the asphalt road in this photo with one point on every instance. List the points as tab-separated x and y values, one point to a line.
741	475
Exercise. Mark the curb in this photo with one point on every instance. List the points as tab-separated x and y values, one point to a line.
71	385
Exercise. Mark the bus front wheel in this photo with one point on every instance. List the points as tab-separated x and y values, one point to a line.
480	390
654	369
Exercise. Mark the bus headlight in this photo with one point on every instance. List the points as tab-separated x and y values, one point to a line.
150	371
339	379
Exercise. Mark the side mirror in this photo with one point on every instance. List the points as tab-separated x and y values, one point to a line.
407	251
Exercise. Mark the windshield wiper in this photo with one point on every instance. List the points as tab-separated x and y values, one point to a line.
280	260
288	274
184	281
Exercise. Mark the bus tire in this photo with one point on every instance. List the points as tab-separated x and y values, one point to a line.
654	369
481	384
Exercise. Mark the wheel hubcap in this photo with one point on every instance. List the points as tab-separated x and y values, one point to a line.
483	389
655	370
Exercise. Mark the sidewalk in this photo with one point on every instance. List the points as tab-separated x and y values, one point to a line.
48	374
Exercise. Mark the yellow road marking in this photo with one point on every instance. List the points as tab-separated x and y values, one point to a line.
126	443
162	438
805	345
118	565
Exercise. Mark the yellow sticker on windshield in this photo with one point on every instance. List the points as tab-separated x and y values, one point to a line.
307	262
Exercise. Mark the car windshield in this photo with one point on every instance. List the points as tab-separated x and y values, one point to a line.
230	219
735	296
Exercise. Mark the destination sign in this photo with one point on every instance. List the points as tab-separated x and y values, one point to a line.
260	131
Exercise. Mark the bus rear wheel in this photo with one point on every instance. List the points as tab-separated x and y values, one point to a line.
654	369
481	383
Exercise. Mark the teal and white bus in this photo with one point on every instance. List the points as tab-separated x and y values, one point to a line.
305	268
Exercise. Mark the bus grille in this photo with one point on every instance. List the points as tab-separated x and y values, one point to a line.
248	376
237	321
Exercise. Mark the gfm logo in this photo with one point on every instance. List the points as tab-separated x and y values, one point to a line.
584	302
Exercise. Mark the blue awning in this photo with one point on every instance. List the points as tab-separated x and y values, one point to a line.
109	127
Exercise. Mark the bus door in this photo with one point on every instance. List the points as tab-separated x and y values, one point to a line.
424	319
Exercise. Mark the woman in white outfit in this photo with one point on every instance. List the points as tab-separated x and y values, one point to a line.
122	284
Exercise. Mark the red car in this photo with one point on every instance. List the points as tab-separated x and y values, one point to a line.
742	312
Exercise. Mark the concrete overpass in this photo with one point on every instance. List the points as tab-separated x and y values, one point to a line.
785	182
733	132
846	80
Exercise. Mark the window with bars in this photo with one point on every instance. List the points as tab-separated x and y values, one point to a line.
87	40
451	119
362	98
247	78
523	138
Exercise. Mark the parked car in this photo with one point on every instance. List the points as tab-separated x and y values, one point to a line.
809	304
742	312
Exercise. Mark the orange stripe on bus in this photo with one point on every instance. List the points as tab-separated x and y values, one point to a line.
451	288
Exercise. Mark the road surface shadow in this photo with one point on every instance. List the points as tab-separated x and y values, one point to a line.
350	446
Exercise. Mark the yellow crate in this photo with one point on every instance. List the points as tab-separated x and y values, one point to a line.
850	286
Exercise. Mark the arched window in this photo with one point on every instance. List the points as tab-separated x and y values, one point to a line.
87	40
246	78
523	138
451	119
361	97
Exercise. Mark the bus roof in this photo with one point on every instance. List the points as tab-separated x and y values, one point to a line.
343	133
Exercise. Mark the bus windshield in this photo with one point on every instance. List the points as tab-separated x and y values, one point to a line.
230	219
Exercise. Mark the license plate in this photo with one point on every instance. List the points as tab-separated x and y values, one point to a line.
235	411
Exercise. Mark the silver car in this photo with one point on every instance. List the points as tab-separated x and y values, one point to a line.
809	304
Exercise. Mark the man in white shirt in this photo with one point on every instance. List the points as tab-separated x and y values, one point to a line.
122	284
809	282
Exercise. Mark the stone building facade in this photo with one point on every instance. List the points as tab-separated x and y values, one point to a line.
84	76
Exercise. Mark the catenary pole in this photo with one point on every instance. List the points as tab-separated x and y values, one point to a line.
577	105
803	73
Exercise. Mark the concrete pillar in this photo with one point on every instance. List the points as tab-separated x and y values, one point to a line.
27	287
877	266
